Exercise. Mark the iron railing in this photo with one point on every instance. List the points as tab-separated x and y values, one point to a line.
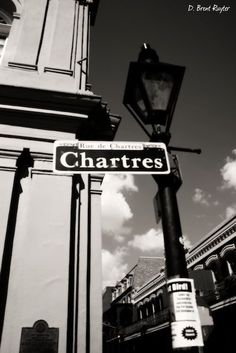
144	324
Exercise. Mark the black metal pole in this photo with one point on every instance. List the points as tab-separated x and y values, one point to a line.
167	187
173	240
176	266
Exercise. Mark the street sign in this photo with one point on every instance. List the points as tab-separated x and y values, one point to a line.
110	157
185	322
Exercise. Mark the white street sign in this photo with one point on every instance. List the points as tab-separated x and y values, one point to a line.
110	157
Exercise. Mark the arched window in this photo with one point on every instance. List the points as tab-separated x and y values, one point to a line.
140	310
159	301
213	264
229	254
7	8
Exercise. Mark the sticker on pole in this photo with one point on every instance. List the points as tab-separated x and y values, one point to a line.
110	157
185	322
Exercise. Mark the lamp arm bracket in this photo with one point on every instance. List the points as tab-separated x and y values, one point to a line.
184	149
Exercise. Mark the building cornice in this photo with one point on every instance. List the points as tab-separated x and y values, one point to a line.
224	233
85	114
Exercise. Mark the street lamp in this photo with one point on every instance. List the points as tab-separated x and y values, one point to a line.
151	94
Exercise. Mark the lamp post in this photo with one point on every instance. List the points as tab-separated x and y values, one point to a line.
151	94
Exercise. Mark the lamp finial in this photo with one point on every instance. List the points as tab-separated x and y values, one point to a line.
147	54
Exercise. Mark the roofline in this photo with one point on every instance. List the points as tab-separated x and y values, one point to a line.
223	224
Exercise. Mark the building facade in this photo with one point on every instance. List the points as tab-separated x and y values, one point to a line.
211	263
50	280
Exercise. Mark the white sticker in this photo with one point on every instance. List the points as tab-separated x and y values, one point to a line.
185	323
186	334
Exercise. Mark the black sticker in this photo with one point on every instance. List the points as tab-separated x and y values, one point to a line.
190	333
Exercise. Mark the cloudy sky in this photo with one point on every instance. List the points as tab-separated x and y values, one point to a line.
204	118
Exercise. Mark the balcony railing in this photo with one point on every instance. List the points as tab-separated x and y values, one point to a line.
163	316
142	325
209	298
221	293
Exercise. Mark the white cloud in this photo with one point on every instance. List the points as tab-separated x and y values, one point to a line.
153	241
149	241
114	267
119	182
115	208
230	211
228	172
187	242
200	197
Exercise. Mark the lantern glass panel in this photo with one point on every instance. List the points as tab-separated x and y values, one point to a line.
158	87
140	102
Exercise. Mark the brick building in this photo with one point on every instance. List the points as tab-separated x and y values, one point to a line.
211	263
